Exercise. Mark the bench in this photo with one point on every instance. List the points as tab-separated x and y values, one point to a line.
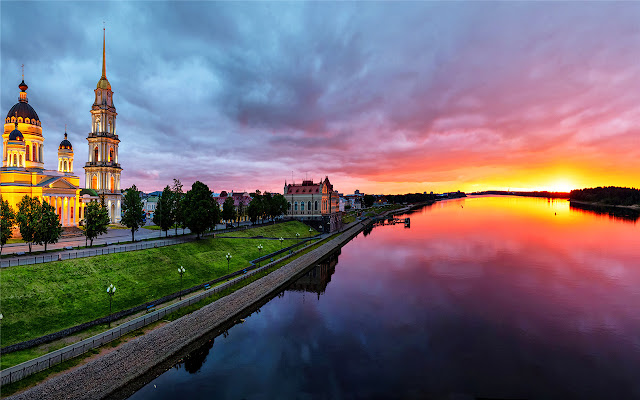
244	271
151	307
206	286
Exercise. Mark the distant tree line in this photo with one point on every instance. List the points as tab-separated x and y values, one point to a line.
611	195
410	198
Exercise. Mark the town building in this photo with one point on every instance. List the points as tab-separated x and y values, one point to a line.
315	203
23	173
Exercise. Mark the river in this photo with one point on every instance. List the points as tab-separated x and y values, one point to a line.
482	297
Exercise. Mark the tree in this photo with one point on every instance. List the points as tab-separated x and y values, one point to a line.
253	210
163	216
200	210
368	200
280	205
176	204
96	220
7	220
29	209
48	226
228	209
240	210
132	216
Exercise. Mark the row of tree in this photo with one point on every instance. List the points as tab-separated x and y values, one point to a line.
607	195
199	211
196	209
38	222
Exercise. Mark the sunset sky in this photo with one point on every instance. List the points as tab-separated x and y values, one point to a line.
381	97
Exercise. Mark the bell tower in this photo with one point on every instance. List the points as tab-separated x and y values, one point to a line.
102	171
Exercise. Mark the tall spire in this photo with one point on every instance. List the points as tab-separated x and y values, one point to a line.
103	83
104	65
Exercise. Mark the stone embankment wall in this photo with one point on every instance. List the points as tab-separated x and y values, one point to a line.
100	378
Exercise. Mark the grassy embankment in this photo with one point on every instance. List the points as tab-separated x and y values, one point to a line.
45	298
41	376
368	212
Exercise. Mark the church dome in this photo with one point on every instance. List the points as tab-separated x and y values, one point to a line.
22	109
65	144
16	135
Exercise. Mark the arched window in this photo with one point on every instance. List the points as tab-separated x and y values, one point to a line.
65	166
20	161
111	154
112	187
19	119
95	154
302	206
28	152
35	152
94	182
316	205
295	206
26	120
309	206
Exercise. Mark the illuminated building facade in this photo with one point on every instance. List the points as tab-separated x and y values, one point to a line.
314	202
23	172
102	170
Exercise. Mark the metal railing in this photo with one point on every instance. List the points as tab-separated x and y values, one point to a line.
20	371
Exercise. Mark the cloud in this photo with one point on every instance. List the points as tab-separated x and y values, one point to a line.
238	95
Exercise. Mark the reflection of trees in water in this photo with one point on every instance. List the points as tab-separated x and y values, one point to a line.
194	361
367	230
317	278
616	213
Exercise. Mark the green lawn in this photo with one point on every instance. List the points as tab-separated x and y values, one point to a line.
45	298
285	230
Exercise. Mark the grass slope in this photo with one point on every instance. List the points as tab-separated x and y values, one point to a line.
45	298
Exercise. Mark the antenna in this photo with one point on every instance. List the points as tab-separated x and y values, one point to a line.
22	71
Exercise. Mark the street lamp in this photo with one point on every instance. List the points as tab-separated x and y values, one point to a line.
310	231
228	259
281	240
181	271
259	252
298	237
111	290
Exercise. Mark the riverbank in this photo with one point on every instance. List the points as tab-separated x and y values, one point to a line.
101	377
635	207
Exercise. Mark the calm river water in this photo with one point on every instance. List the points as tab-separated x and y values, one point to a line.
486	297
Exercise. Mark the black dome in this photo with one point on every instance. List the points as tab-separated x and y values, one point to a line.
65	144
16	135
23	110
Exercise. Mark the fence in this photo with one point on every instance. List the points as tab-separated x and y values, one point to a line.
110	249
20	371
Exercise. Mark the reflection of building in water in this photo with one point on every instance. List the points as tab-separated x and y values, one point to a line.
318	277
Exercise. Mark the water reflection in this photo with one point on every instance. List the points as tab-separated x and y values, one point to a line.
482	298
318	277
615	213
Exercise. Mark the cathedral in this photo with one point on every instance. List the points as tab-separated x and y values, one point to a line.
23	171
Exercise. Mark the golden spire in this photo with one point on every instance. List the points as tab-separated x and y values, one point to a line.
104	65
103	83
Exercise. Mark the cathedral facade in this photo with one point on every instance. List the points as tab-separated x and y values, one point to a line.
23	173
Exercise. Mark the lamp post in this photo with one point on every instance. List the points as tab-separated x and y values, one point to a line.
228	260
281	240
181	271
259	252
111	290
310	231
298	237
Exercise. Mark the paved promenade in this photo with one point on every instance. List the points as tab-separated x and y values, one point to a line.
100	378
